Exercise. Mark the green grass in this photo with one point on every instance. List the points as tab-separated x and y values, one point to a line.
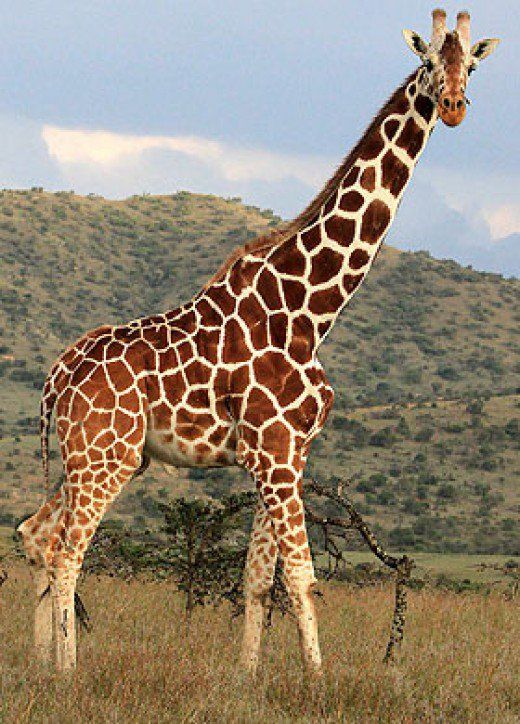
475	568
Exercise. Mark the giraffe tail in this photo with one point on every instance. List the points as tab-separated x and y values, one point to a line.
48	400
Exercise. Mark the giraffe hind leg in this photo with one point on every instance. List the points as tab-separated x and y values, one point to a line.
36	532
258	579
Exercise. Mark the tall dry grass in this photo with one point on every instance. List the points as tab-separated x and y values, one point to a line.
460	661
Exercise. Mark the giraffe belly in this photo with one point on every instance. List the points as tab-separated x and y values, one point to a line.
207	450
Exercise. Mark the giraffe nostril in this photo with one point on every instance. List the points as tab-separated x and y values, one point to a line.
459	104
446	102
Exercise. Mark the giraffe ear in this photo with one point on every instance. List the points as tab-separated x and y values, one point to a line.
483	48
416	43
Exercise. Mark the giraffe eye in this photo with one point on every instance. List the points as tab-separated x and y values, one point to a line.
428	65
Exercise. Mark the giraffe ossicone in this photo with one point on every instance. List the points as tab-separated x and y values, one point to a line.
233	377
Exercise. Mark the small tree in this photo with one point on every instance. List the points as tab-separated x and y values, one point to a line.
206	547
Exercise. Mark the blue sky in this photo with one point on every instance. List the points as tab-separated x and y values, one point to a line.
259	100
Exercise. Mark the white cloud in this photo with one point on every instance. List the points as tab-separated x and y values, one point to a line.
503	220
490	198
70	147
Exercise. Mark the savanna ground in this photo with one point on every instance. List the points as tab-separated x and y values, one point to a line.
142	663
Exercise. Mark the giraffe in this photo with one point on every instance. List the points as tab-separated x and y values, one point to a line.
232	377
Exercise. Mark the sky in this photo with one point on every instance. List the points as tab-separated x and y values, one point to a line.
259	100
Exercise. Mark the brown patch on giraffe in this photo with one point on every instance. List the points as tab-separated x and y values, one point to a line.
372	145
325	265
358	259
198	398
207	344
187	322
327	396
284	493
323	328
114	349
368	179
311	238
271	370
276	439
96	380
104	400
288	259
330	205
351	201
293	507
162	416
301	346
80	407
222	299
239	380
119	375
258	335
96	422
168	360
251	311
283	475
294	293
340	230
218	436
197	373
326	301
127	334
411	138
221	382
242	275
278	324
302	418
424	106
267	287
94	455
185	349
390	128
292	388
375	221
202	451
81	372
210	317
351	282
351	177
137	355
235	347
97	351
394	173
259	408
153	388
157	336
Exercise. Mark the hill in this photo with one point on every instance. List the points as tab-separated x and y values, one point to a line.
436	474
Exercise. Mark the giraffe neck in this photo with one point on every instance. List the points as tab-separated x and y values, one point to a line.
306	279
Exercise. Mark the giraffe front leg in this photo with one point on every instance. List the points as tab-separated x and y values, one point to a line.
63	586
258	579
43	617
277	473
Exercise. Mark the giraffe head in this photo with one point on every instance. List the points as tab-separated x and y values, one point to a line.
449	59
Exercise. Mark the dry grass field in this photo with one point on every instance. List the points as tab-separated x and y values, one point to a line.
460	661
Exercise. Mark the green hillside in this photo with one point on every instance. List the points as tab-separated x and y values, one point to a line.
433	474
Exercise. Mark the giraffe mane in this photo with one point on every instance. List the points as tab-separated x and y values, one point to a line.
265	242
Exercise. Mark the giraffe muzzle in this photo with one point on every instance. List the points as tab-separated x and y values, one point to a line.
452	108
